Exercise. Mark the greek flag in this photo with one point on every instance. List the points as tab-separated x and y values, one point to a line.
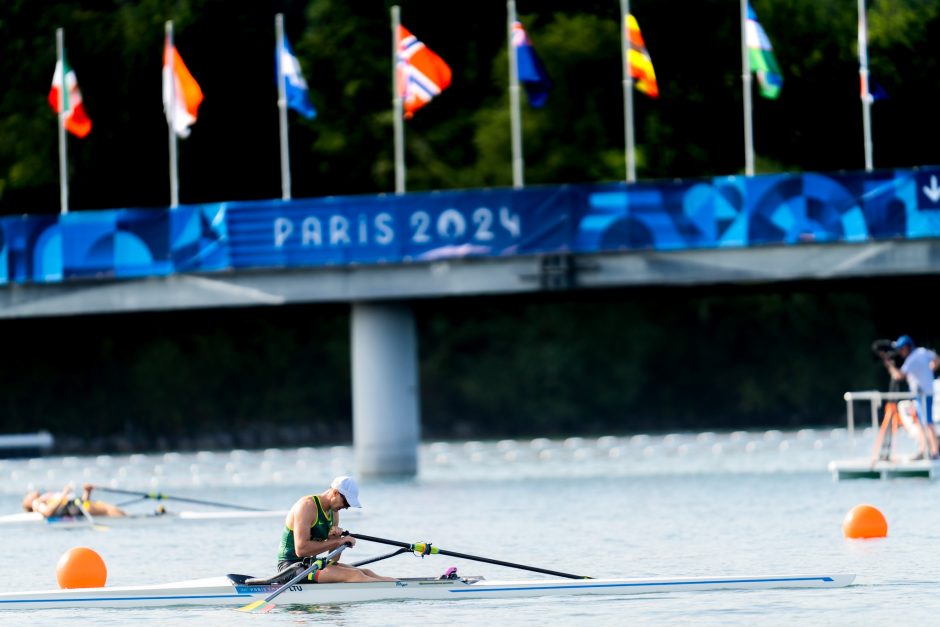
295	87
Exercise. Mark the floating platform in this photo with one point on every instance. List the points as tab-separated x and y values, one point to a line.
900	416
884	469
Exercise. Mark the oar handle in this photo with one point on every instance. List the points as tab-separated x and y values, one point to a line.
404	545
317	564
427	549
157	496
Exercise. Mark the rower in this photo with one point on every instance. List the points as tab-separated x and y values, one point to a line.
62	504
320	514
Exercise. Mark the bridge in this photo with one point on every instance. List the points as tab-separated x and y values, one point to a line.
379	253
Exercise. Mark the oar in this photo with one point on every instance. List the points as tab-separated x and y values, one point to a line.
380	557
66	491
166	497
265	605
88	517
425	548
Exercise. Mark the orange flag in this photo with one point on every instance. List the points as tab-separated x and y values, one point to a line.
181	93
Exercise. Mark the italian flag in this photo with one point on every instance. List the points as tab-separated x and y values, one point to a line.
76	120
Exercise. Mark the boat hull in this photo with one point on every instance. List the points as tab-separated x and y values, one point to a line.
221	591
34	518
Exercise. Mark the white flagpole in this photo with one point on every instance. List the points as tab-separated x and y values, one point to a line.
170	77
863	77
282	107
63	143
746	86
628	130
399	112
515	115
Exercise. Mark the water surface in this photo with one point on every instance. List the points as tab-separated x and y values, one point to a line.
756	503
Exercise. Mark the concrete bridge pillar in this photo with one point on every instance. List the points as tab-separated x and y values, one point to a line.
386	412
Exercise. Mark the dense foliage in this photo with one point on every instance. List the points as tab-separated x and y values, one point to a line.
462	139
773	355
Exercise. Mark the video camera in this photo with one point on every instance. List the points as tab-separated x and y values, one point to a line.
885	349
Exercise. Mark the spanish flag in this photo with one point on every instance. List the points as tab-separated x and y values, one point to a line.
641	66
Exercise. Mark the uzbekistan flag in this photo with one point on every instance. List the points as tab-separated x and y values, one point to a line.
641	65
76	120
421	73
529	68
761	56
180	87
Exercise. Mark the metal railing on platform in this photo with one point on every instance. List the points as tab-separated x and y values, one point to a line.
876	399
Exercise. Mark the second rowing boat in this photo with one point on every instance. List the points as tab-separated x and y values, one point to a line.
79	521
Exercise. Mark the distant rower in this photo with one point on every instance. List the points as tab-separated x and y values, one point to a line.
60	504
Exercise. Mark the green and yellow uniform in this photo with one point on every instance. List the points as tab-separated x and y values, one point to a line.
319	530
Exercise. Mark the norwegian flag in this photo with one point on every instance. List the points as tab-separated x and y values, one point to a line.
422	74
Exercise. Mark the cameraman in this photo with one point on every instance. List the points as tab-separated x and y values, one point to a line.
918	367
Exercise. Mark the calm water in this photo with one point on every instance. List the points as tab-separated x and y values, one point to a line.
675	505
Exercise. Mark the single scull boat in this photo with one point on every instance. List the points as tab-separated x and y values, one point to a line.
35	518
231	590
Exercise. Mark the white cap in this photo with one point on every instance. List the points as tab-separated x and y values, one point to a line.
348	487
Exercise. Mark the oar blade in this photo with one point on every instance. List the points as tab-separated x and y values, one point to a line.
265	605
257	607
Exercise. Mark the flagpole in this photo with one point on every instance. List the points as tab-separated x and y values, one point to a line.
63	142
628	130
746	87
863	78
282	108
399	112
170	76
515	114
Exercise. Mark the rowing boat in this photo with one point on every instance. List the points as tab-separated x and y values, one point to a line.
32	518
231	590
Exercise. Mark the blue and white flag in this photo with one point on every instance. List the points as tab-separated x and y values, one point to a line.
295	87
531	72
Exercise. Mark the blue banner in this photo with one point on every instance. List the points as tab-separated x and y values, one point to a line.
734	211
392	229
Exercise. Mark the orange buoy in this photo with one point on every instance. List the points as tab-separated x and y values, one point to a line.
864	521
80	567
